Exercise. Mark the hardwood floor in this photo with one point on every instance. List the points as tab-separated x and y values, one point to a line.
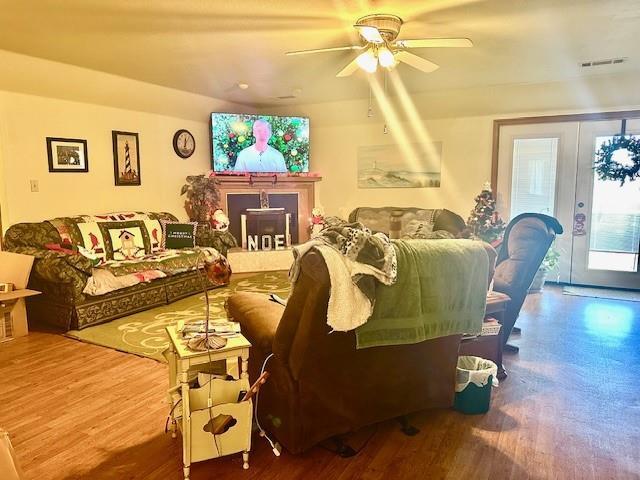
569	409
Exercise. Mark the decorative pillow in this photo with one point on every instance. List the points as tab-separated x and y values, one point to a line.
125	240
93	239
155	234
178	235
418	229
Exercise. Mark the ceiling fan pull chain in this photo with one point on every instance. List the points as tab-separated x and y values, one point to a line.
370	109
385	130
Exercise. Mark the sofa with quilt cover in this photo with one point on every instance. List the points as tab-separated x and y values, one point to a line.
95	268
411	222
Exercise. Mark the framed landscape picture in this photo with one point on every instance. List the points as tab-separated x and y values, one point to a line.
411	165
126	158
67	155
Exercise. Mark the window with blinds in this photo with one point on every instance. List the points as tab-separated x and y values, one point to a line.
533	181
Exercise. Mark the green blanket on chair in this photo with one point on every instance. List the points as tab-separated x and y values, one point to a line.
441	290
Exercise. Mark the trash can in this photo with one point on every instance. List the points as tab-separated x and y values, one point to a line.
474	378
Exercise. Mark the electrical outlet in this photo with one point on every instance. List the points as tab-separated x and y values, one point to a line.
34	185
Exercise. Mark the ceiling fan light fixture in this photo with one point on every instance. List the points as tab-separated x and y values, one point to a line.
367	61
386	57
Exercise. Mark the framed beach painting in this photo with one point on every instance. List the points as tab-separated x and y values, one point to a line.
126	158
67	155
410	165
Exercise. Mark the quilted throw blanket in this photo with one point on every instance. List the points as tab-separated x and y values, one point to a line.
357	243
440	290
113	236
356	260
168	261
114	275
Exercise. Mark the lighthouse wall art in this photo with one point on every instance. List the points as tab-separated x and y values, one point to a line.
126	158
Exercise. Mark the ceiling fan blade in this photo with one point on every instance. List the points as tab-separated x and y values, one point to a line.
435	43
321	50
416	62
349	69
370	34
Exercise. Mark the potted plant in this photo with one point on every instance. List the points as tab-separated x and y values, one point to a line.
203	197
550	262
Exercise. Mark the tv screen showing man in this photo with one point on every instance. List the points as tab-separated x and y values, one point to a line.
243	143
260	157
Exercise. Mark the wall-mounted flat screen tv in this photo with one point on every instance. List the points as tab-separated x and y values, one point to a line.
259	143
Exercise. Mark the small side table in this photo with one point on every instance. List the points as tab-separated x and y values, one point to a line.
13	313
489	346
181	359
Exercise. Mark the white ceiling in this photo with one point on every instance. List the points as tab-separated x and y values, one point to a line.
208	46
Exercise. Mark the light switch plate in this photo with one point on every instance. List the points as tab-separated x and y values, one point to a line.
34	185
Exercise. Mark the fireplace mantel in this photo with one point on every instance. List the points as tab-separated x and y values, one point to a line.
303	186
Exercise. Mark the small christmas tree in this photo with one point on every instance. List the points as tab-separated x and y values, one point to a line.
484	222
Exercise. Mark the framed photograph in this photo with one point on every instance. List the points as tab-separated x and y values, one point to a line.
67	155
416	165
126	158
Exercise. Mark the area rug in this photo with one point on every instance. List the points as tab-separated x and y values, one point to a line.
144	334
611	294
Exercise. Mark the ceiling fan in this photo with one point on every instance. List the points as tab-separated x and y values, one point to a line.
379	33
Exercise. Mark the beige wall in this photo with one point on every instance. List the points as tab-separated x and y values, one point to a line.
466	146
28	120
461	119
40	98
102	103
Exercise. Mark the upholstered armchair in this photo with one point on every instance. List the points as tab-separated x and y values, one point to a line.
526	241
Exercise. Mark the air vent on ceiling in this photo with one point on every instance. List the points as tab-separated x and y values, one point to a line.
608	61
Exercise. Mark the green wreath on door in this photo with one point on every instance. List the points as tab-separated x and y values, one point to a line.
608	168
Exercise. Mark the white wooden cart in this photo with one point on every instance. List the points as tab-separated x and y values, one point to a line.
202	408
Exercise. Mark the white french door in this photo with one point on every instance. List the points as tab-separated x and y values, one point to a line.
548	168
536	173
606	223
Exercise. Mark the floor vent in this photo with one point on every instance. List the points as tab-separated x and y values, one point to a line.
608	61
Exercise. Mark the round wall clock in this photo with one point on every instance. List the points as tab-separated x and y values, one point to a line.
183	143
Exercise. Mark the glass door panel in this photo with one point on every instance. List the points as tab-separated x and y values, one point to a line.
605	253
537	173
615	222
533	182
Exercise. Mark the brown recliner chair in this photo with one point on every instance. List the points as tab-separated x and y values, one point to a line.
320	386
526	242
